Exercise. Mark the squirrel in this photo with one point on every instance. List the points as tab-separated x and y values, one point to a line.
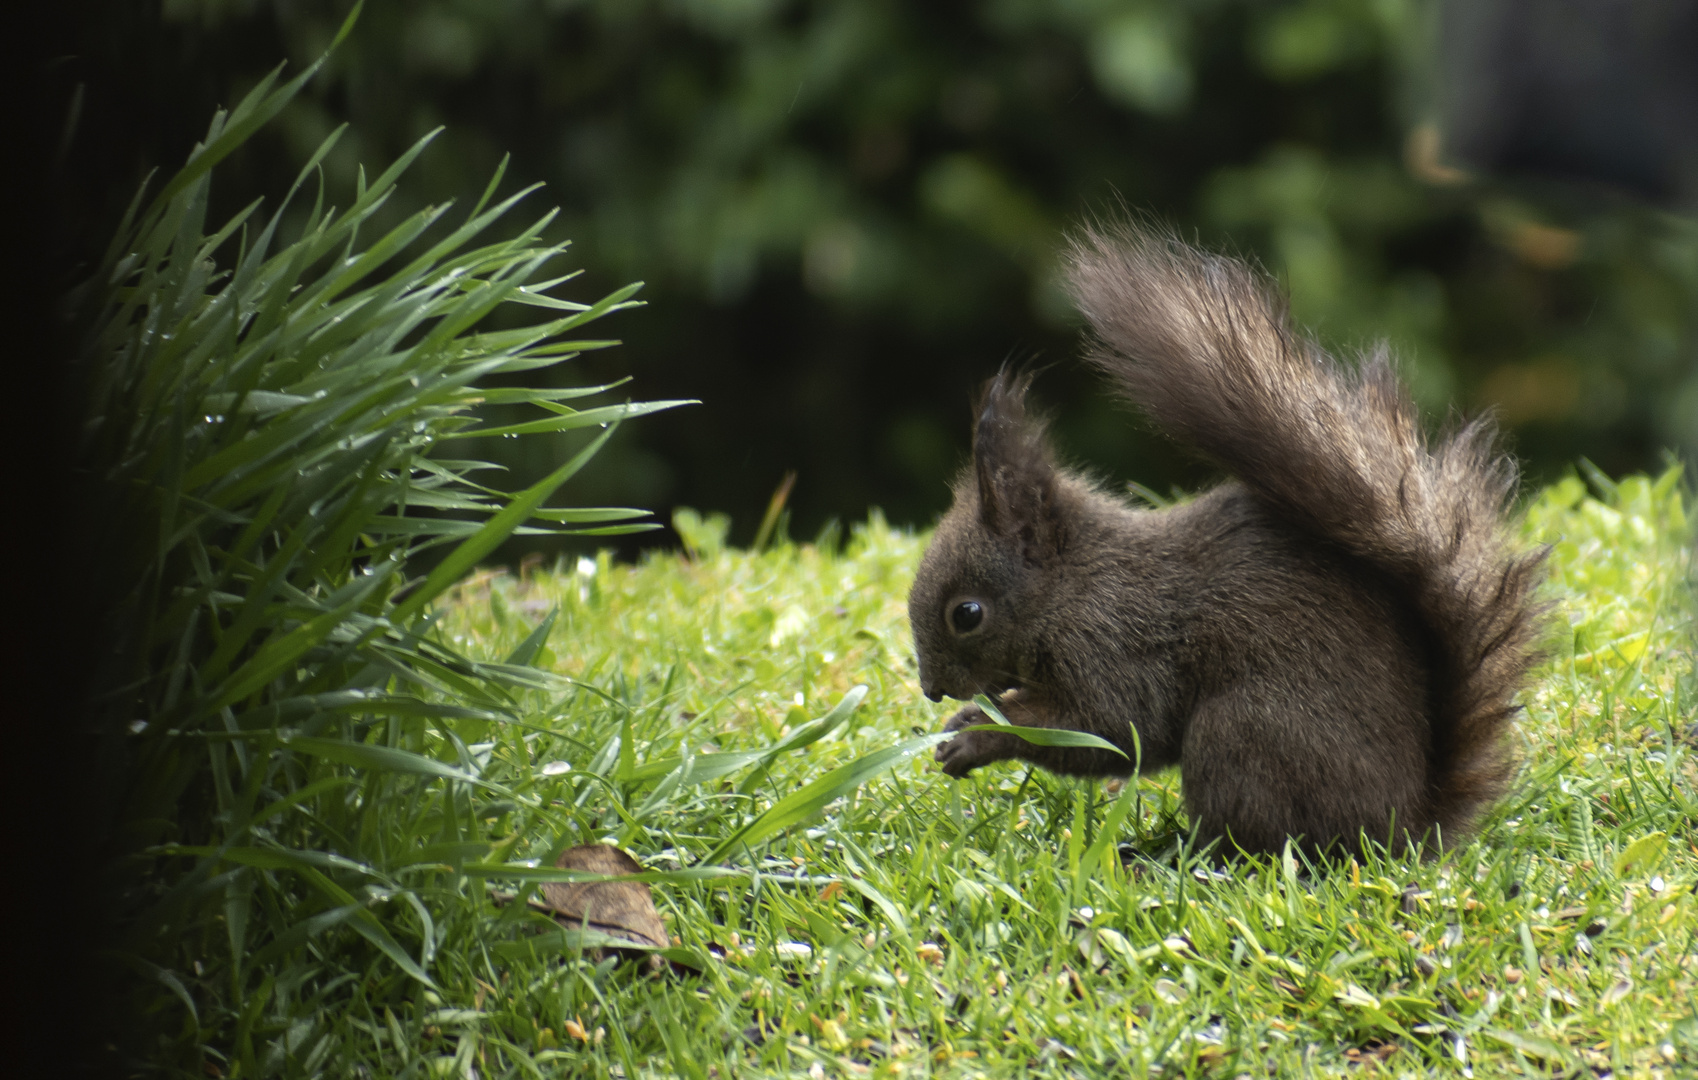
1327	644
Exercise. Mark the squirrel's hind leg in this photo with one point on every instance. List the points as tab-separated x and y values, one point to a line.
1256	780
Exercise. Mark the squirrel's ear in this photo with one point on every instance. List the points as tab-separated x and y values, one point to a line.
1015	468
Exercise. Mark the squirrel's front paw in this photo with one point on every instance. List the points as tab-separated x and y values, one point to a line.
967	717
969	749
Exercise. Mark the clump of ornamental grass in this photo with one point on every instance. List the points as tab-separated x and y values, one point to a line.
275	429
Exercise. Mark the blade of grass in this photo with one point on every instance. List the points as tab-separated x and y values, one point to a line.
812	798
493	531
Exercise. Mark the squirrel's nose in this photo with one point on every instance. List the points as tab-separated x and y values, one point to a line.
932	692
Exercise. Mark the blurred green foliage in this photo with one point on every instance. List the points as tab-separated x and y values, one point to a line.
848	211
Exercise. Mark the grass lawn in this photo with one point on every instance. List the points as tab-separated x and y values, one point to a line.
919	925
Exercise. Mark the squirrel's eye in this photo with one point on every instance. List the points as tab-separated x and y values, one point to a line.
967	616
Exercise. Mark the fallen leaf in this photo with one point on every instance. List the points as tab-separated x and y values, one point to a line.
1381	1050
620	909
1618	990
1170	991
1076	984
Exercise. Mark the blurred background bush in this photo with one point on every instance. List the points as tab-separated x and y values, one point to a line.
847	212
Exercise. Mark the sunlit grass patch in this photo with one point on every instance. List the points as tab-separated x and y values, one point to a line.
984	928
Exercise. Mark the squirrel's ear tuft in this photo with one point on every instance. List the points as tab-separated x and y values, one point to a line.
1014	466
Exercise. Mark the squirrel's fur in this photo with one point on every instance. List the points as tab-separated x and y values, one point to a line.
1327	645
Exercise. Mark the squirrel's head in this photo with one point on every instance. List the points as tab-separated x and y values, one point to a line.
979	595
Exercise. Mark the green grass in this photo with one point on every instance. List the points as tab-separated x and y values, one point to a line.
985	928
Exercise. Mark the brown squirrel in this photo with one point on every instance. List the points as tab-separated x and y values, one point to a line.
1327	645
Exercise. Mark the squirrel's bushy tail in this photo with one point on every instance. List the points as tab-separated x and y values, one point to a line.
1202	344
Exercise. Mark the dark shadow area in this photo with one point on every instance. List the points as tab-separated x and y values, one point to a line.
848	215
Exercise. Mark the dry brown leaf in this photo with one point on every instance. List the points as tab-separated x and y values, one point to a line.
620	909
1075	983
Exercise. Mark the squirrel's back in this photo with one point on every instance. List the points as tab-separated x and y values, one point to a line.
1201	343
